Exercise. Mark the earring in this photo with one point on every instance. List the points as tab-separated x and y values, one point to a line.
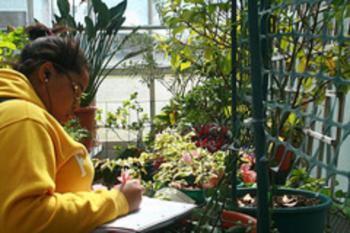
47	75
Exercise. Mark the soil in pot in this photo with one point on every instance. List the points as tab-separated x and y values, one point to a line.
281	201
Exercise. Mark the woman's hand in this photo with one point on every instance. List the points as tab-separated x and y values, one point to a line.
132	190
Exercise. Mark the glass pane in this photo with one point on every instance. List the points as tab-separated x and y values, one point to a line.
136	43
136	11
13	5
79	10
42	11
155	15
13	13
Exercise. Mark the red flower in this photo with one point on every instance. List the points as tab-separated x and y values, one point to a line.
211	137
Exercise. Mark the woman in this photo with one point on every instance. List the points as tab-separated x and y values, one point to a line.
45	176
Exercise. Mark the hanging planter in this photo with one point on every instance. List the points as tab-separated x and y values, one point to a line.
293	218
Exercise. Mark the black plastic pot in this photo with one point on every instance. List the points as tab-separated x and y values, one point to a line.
309	219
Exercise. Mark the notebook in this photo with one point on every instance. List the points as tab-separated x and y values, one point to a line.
153	214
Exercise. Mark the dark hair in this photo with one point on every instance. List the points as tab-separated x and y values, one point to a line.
64	53
38	30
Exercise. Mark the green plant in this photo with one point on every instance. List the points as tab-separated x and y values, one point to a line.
119	119
301	179
175	161
199	38
99	39
107	171
295	90
341	204
199	48
194	51
11	42
304	58
180	163
73	128
184	112
213	96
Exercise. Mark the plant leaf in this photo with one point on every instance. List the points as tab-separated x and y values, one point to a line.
90	29
185	65
103	14
63	7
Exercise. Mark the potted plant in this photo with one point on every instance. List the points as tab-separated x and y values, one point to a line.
100	40
293	210
179	163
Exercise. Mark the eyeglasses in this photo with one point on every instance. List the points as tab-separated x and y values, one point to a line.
76	87
77	90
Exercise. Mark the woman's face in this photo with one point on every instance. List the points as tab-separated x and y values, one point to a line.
63	92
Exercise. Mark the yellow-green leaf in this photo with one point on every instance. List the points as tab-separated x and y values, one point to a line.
185	65
227	111
302	65
331	66
172	118
7	44
307	84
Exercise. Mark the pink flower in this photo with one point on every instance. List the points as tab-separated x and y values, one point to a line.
244	167
195	154
186	157
249	176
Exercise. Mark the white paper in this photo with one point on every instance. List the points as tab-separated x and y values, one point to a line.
152	212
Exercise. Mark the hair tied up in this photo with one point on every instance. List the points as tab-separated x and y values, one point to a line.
38	30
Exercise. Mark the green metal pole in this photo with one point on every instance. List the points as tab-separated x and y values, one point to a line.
266	45
233	151
258	119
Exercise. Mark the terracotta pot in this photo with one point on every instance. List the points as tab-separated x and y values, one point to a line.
212	183
233	218
86	117
285	161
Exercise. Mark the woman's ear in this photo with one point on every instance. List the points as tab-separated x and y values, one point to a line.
45	71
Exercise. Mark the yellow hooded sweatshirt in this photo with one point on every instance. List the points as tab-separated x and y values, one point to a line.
45	176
